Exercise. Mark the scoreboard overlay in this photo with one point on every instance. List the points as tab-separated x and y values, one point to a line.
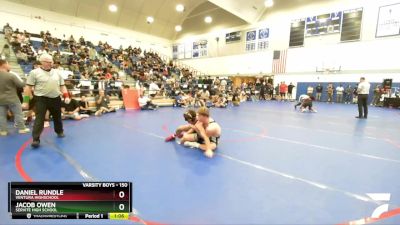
70	200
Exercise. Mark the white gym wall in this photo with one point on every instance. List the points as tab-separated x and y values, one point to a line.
372	57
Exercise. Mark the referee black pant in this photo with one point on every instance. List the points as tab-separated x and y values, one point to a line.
42	104
363	105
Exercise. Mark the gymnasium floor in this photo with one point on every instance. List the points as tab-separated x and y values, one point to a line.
273	165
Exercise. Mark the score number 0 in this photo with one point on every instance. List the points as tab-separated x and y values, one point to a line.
121	195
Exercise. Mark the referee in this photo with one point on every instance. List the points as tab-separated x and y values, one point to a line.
48	86
363	92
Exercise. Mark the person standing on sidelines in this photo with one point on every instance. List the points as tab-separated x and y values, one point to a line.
318	90
363	92
310	90
330	90
9	100
348	94
290	91
283	89
339	93
49	86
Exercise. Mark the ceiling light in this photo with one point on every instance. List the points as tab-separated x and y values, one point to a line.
150	19
269	3
208	19
180	8
112	8
178	28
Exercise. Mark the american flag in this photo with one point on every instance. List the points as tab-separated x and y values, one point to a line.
279	62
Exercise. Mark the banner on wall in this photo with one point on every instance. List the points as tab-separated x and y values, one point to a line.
251	39
263	36
200	49
388	21
175	52
178	51
257	39
233	37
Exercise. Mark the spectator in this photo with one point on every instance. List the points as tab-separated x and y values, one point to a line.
236	98
270	91
290	90
339	93
7	30
262	91
204	95
22	58
9	83
198	101
145	103
179	102
153	89
221	102
330	93
103	104
70	110
84	106
318	91
310	91
378	91
348	94
5	52
283	88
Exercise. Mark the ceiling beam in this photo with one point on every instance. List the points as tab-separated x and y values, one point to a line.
248	12
78	4
120	12
187	13
100	10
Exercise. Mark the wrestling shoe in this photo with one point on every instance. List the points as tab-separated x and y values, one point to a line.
170	138
191	144
35	144
24	131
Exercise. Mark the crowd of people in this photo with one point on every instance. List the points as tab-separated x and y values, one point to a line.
344	94
102	67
